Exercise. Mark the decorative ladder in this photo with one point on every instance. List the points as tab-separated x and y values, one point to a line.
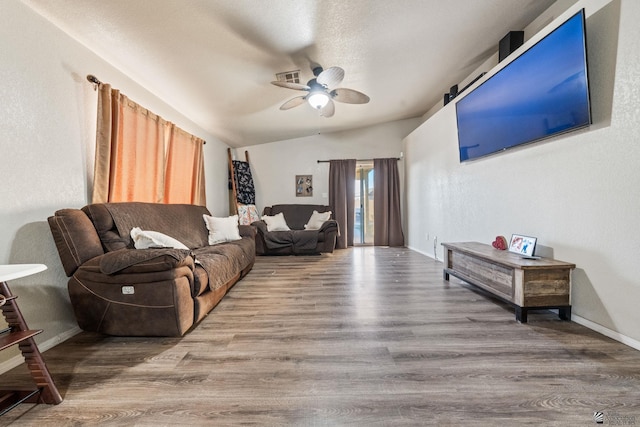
19	333
233	188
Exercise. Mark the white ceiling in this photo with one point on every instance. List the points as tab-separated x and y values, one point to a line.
213	60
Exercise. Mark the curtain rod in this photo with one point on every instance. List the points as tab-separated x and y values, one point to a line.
357	160
93	79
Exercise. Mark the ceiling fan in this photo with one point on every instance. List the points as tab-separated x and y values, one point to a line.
321	92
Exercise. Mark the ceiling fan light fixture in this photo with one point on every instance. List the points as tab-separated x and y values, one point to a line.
321	91
318	99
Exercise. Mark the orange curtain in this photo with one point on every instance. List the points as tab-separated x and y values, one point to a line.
184	178
142	157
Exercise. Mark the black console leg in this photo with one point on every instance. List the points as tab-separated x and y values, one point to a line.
564	313
445	276
521	314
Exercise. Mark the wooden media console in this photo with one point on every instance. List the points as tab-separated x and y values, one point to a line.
526	284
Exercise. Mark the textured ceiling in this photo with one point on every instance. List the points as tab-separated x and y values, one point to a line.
213	59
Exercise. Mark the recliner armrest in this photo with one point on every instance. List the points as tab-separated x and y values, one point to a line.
329	225
247	231
260	226
144	260
75	237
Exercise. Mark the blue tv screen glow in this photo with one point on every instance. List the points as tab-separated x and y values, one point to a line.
541	93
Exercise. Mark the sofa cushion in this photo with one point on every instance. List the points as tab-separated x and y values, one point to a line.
114	221
316	220
222	229
106	228
276	222
220	262
206	274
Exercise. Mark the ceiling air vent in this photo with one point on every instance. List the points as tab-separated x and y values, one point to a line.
289	76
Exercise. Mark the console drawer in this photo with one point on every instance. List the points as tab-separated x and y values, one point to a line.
497	278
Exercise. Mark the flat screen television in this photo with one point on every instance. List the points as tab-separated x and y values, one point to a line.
541	93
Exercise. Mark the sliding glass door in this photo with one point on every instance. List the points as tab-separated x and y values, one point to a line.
363	228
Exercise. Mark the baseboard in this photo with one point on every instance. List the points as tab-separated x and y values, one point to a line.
44	346
424	253
606	331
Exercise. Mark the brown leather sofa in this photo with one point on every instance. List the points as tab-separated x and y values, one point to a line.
116	289
297	241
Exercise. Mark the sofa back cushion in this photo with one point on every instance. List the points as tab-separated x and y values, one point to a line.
295	215
114	221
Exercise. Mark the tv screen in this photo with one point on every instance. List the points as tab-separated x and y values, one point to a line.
541	93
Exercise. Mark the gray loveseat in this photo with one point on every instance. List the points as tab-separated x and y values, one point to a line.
296	241
159	291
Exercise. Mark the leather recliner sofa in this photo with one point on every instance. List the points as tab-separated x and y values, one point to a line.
116	289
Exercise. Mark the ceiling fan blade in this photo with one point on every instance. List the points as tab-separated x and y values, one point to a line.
293	102
349	96
331	76
289	85
328	110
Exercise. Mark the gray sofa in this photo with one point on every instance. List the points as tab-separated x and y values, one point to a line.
160	291
296	241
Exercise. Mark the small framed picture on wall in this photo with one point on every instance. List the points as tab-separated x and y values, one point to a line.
304	185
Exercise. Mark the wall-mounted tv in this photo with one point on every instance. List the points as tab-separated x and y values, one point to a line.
541	93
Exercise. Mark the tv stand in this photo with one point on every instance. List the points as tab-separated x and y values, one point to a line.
526	284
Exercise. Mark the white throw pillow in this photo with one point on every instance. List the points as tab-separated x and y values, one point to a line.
223	229
275	222
143	239
316	220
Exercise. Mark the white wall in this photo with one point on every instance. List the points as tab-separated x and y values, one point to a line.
47	137
274	166
577	193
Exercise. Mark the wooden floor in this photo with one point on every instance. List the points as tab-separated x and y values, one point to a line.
364	337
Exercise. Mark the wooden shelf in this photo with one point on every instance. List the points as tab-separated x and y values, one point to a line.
12	338
18	333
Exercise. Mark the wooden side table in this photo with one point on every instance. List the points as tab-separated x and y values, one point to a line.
18	333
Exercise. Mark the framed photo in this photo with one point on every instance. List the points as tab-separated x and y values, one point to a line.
522	245
304	185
